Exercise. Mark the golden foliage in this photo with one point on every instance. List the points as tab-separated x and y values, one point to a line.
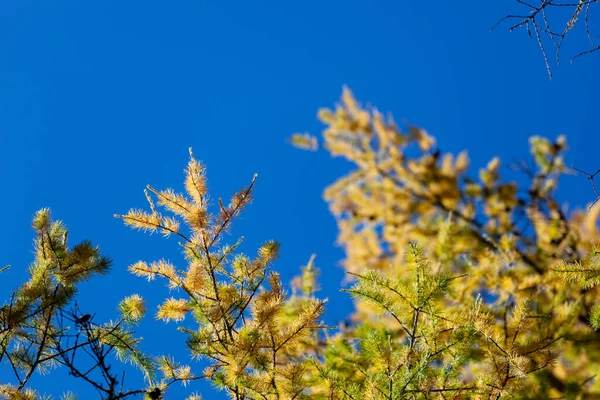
255	338
465	285
505	240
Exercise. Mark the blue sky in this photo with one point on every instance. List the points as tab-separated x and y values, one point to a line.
98	99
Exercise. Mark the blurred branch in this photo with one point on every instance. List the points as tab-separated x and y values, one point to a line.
593	183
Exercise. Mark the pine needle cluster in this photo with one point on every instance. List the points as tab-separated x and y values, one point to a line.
42	327
524	263
465	285
255	339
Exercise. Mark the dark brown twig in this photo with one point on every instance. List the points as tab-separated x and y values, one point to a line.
537	20
593	183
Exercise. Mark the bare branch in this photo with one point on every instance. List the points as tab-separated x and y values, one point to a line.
593	183
540	21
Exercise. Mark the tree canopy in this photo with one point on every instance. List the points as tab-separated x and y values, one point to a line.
464	285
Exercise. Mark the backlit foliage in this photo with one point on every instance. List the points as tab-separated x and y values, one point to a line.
466	286
256	340
42	328
520	258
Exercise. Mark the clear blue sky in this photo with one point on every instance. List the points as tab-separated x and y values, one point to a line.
98	99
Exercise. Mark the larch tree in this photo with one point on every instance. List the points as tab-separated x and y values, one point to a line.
465	287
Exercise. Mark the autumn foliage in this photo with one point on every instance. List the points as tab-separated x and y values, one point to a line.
465	286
